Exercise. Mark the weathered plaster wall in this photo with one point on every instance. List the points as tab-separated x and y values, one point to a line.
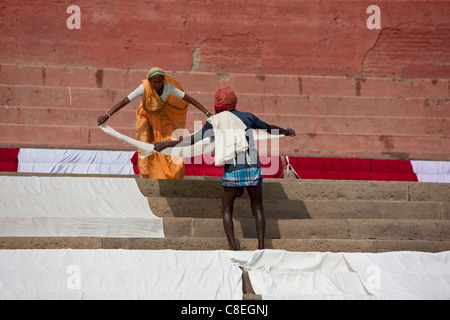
264	37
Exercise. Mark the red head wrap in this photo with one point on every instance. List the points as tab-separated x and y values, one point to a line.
225	99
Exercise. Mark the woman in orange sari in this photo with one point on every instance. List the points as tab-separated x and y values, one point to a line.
163	110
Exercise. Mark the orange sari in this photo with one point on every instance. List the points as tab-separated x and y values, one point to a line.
156	121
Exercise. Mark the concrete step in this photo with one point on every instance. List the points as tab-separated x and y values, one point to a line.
65	76
382	229
298	245
302	209
347	124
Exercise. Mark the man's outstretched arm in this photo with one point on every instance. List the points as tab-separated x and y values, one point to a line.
182	142
287	132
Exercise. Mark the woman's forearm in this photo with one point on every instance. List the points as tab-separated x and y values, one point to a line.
196	104
119	106
104	117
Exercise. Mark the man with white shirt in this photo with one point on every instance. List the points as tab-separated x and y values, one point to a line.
242	166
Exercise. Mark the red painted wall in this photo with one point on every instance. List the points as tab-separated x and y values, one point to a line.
265	37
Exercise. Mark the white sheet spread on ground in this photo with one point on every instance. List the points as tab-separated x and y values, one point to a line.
118	274
277	274
205	146
403	275
75	206
75	161
172	274
114	207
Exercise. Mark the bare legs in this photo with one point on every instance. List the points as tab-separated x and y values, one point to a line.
255	194
228	197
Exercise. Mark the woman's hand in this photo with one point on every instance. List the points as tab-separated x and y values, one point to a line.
102	119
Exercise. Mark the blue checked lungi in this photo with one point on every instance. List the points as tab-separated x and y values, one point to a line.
245	177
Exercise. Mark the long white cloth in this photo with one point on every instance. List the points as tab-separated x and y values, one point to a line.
201	147
118	274
75	206
205	146
403	275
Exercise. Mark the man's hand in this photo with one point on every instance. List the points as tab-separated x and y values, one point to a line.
160	146
291	132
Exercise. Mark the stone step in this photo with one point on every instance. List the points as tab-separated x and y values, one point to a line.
302	209
276	189
347	124
297	245
287	189
381	229
315	144
370	128
257	104
251	296
247	288
270	103
66	76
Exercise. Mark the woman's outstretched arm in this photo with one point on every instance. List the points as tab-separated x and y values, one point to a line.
103	118
196	104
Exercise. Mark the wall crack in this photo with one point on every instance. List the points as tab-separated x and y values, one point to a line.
368	51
